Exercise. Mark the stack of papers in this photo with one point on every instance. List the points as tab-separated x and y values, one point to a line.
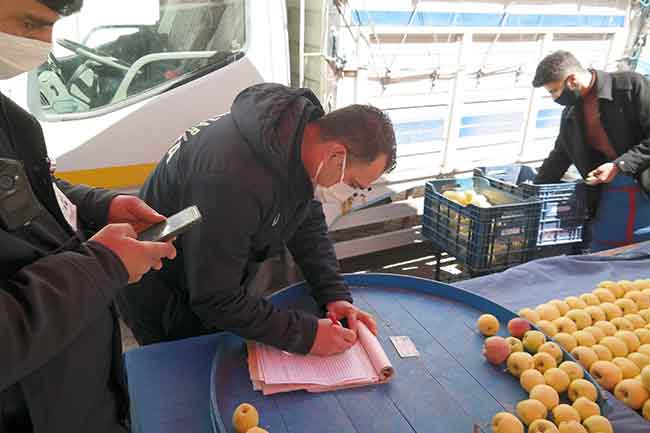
273	371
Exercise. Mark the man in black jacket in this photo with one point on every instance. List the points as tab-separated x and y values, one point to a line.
605	132
253	173
60	348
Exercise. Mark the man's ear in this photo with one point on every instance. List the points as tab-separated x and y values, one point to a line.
336	152
572	81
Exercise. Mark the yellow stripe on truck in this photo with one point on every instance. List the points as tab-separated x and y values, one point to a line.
126	176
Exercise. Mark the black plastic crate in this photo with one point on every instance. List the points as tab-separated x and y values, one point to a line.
484	239
563	209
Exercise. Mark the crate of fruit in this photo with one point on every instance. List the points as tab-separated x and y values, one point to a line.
563	210
481	225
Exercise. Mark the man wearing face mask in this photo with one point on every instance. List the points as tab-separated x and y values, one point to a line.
257	174
60	348
605	132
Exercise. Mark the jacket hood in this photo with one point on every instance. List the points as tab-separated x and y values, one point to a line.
272	118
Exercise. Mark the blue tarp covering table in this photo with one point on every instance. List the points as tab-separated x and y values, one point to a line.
448	389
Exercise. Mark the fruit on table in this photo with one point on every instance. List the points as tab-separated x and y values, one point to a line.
586	407
546	395
604	296
562	306
530	378
518	327
603	352
598	424
598	333
641	299
606	327
627	306
565	325
606	373
640	359
575	303
245	417
542	426
544	361
582	388
644	348
572	427
581	318
548	312
590	299
547	327
615	345
585	356
612	311
553	349
632	393
630	339
584	338
643	335
496	349
531	315
519	362
572	369
533	340
567	341
636	320
557	379
565	413
596	313
515	344
531	410
504	422
488	325
628	368
622	324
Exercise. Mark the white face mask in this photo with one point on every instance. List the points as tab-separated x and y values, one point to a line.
333	197
18	55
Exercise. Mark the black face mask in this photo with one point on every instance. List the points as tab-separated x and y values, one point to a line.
568	96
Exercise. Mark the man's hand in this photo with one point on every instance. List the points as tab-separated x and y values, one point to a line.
130	209
603	174
345	310
138	257
332	338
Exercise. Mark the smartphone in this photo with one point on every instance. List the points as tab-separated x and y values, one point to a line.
173	226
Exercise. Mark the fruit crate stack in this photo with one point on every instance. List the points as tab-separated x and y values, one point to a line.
484	239
562	215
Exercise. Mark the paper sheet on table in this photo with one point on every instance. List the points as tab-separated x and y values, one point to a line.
273	370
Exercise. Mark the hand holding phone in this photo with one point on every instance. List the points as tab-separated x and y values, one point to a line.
173	226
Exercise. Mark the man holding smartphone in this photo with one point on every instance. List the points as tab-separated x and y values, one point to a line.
60	348
260	176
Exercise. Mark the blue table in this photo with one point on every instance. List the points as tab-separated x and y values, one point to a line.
448	389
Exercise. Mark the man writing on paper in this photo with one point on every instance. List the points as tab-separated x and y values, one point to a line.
60	349
605	132
260	176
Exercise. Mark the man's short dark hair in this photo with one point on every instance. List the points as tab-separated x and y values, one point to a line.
366	131
556	67
63	7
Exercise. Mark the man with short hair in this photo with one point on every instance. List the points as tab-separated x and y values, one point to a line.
60	350
254	173
605	132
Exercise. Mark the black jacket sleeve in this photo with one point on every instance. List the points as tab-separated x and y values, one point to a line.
216	254
555	165
92	203
48	303
314	253
637	159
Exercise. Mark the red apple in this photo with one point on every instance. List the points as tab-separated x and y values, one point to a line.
496	350
518	327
